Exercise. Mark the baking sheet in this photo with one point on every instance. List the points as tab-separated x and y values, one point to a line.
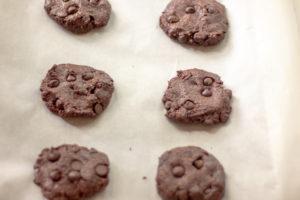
258	60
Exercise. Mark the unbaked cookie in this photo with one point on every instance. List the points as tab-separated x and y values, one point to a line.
197	96
190	173
74	90
79	16
195	22
71	172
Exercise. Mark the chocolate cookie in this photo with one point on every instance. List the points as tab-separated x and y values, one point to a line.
195	22
79	16
190	173
71	172
197	96
74	90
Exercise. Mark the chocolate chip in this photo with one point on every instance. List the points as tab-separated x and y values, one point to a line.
74	175
81	92
178	171
189	105
53	83
200	37
208	81
190	10
59	104
87	77
182	38
71	77
168	105
173	19
198	163
98	108
66	0
76	165
75	149
53	156
206	93
55	175
101	170
174	32
72	10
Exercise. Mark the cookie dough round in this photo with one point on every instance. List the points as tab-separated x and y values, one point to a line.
79	16
76	91
71	172
195	22
190	173
197	96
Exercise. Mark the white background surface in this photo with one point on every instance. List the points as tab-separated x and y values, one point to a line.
259	61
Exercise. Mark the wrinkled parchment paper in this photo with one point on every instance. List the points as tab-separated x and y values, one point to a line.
258	61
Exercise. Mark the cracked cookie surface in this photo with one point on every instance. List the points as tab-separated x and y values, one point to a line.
79	16
197	96
76	91
195	22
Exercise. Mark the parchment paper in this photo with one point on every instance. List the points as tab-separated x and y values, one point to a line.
259	61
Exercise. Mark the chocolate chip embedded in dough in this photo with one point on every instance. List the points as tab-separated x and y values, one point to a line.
190	10
208	81
53	83
55	175
178	171
189	105
72	9
87	77
71	77
53	156
173	19
198	163
168	105
206	93
101	170
74	175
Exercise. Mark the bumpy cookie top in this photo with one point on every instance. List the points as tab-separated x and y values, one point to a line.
197	96
71	172
190	173
79	16
195	22
74	90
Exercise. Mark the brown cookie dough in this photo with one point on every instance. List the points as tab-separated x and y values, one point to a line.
74	90
195	22
71	172
190	173
197	96
79	16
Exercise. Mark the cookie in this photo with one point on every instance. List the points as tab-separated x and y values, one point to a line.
76	91
79	16
190	173
197	96
195	22
71	172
